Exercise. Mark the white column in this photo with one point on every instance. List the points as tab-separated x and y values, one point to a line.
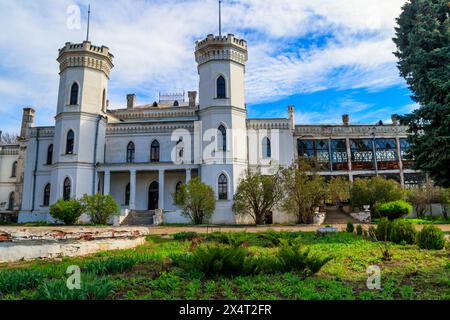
188	175
132	189
161	190
106	182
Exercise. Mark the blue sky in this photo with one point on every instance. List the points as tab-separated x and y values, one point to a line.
326	57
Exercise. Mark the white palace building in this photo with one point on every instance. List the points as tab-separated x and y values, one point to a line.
141	154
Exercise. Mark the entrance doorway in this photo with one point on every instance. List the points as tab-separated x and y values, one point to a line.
153	195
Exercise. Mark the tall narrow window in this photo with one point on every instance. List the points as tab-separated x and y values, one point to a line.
14	170
70	142
104	100
266	148
221	88
222	138
46	201
127	195
11	202
50	154
130	152
67	189
74	94
154	151
223	187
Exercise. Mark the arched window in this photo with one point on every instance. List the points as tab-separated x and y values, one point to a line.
154	151
67	188
222	138
127	195
46	201
14	170
176	103
266	148
178	186
50	154
70	142
11	201
74	94
223	187
130	152
221	88
104	100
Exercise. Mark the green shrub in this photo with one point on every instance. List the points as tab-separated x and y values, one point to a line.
100	207
67	211
402	231
394	209
350	227
91	289
262	264
293	258
214	259
276	237
14	281
359	230
185	236
383	232
431	237
232	238
110	265
374	191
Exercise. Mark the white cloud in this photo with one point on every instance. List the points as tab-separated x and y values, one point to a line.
153	43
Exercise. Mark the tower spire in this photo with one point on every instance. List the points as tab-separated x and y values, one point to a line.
220	18
88	22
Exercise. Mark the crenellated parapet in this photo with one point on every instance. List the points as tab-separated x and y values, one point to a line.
85	55
221	48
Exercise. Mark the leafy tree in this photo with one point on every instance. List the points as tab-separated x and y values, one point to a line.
419	200
444	200
257	195
8	138
374	191
67	211
304	189
423	50
197	200
339	190
100	207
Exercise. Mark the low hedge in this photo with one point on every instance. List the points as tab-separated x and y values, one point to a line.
431	237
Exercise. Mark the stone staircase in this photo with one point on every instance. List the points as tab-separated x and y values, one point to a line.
336	216
139	218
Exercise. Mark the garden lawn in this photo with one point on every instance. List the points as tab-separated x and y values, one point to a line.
147	273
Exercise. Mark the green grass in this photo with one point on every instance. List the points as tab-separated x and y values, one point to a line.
147	272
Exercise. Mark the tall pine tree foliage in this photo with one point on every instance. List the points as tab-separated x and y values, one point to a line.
423	49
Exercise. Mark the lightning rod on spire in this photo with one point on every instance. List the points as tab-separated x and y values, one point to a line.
88	22
220	18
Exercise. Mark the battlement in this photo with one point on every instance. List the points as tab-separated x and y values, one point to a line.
221	48
85	55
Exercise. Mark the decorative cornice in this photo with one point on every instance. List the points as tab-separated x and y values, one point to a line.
357	130
156	113
9	150
85	55
258	124
43	132
221	48
123	128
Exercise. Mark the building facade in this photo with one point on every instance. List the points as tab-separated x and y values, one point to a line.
141	154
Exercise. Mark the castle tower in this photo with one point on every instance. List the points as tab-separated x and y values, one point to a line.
221	68
81	118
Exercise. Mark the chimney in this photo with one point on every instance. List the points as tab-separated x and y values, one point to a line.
131	101
345	119
291	113
192	95
27	121
394	119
